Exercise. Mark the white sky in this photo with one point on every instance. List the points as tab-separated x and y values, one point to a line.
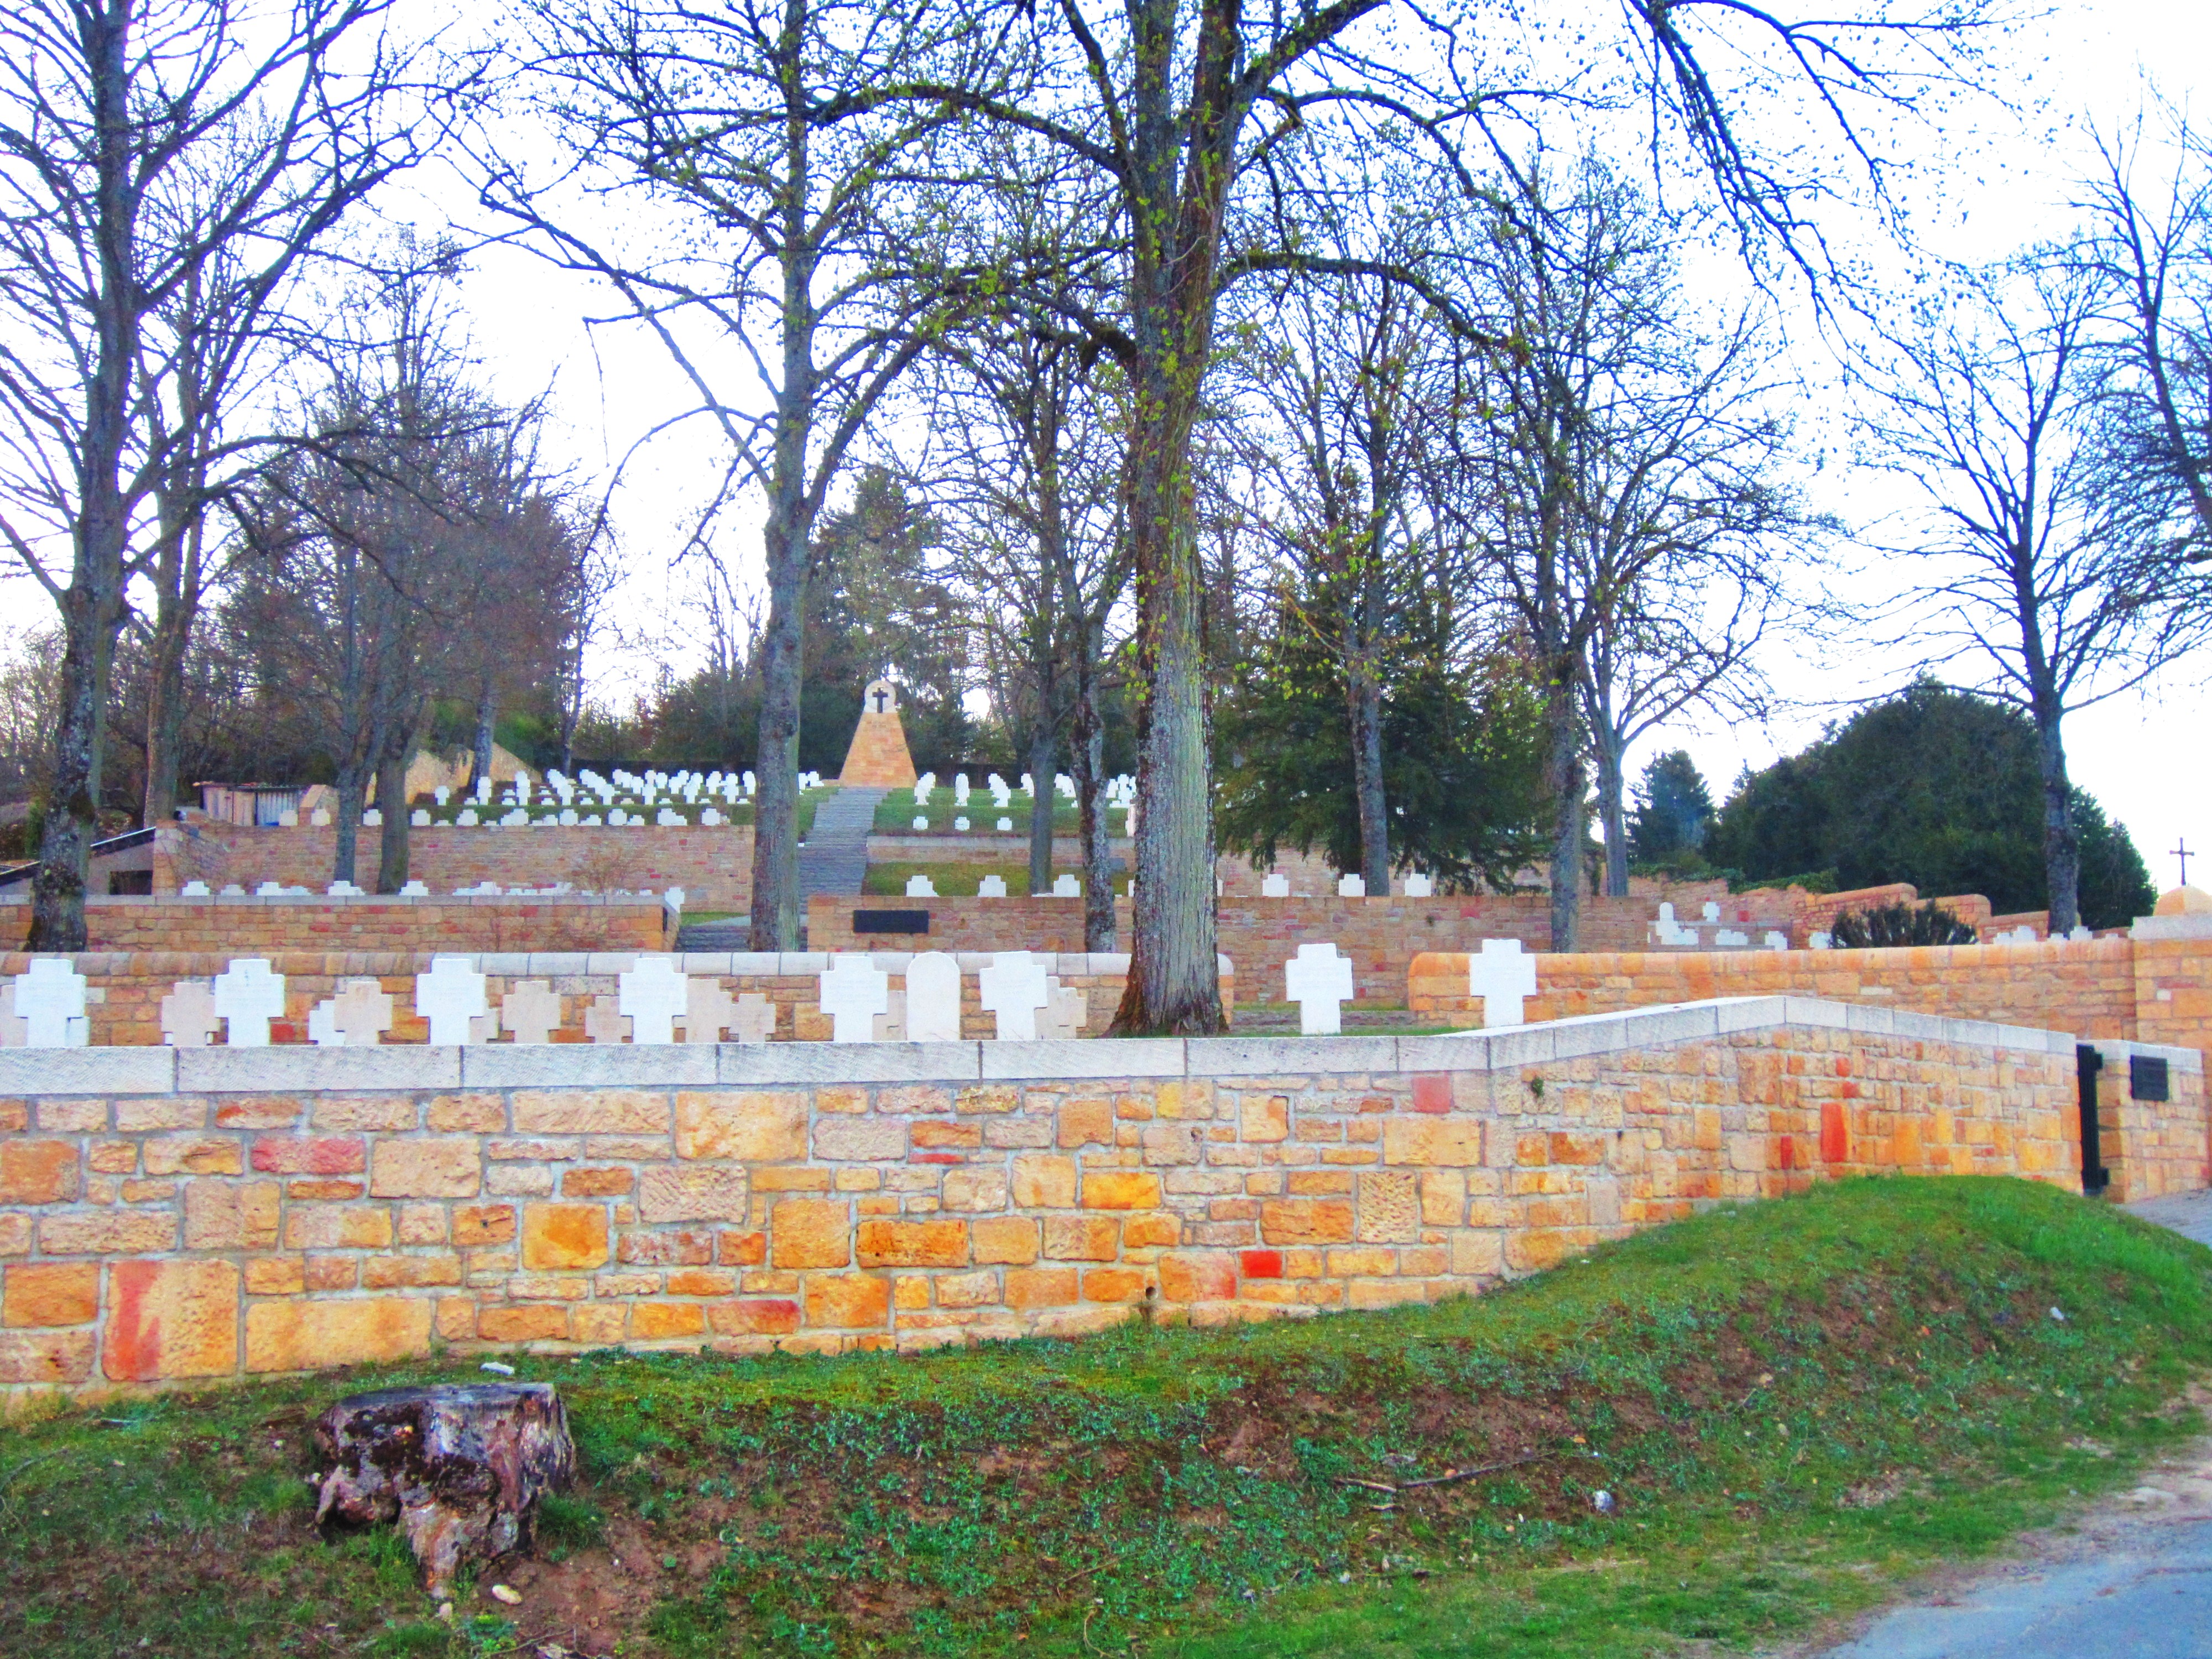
2139	755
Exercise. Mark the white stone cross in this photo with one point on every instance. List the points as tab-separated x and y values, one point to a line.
960	823
450	996
1668	931
1419	885
193	890
1006	826
707	1010
1352	887
531	1011
921	886
754	1021
890	1026
1504	978
853	991
604	1023
248	995
1319	981
362	1013
1712	911
1274	884
991	887
1014	989
50	1000
415	889
959	788
933	998
1066	1009
652	994
921	822
188	1016
1065	886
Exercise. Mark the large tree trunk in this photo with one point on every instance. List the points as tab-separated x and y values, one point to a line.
92	613
487	712
776	806
1610	811
165	713
1088	764
1366	701
1562	779
1174	987
391	797
1044	762
2061	840
351	787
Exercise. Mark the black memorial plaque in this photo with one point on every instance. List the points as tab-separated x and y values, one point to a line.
2147	1078
890	921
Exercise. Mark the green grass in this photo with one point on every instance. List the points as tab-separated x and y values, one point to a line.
896	811
1795	1403
888	879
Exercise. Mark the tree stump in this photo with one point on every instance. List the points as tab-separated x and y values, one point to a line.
460	1467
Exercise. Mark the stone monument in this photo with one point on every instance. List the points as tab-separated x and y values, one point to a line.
878	758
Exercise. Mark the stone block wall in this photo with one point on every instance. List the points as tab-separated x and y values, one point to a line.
1380	935
255	926
713	867
186	1215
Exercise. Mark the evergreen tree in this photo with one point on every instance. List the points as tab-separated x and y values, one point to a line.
1937	788
1674	810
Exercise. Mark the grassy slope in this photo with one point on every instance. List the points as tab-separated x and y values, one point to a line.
888	878
1795	1402
896	811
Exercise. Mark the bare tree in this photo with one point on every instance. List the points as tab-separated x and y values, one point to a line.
759	128
1990	409
124	172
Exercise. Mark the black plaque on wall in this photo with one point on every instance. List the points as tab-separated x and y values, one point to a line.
890	921
2147	1078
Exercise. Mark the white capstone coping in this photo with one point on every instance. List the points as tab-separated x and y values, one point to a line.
2188	925
304	1068
242	900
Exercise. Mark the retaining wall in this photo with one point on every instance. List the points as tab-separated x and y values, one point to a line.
256	926
178	1215
713	867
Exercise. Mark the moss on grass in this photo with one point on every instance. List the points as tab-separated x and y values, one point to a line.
1793	1403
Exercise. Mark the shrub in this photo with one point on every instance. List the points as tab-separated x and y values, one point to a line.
1897	924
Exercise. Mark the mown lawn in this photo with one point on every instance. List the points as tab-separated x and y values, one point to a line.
887	879
1792	1404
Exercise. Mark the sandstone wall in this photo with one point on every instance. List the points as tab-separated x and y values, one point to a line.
185	1215
713	867
253	926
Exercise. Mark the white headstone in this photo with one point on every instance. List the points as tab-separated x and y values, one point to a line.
960	823
269	890
343	890
921	886
531	1011
50	1000
415	889
1419	885
1712	911
371	819
853	991
1066	1009
193	890
668	817
755	1019
1014	989
673	899
232	889
248	995
1775	941
2080	933
1065	886
441	794
188	1016
923	787
1352	887
651	996
991	887
323	1026
1029	785
709	816
1504	978
465	817
1731	939
1274	884
1006	824
450	996
1822	941
921	823
933	998
959	788
418	818
321	817
1063	785
1319	981
362	1011
707	1009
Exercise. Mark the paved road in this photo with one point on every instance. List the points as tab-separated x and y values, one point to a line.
2132	1578
834	859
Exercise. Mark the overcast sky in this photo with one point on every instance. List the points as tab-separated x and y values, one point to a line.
2142	756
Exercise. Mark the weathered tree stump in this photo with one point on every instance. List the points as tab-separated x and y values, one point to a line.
460	1467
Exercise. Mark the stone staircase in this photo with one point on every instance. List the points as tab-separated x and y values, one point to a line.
834	859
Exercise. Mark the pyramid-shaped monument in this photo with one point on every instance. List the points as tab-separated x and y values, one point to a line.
878	758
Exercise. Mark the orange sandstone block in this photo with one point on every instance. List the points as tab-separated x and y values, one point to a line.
1041	1287
106	1233
935	1243
1010	1240
275	1275
170	1155
767	1317
1121	1189
591	1112
847	1301
754	1128
50	1293
1043	1181
1113	1284
1451	1141
46	1356
653	1321
1305	1221
230	1215
564	1236
170	1319
810	1233
1161	1228
536	1322
600	1322
1081	1238
413	1168
1264	1118
476	1225
1086	1122
1192	1277
701	1281
38	1171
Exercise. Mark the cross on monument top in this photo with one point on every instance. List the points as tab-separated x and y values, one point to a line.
2181	851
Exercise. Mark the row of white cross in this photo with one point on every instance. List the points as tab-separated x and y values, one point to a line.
1319	981
45	1008
1275	884
672	899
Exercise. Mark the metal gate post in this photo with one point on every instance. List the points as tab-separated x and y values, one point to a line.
2087	1063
